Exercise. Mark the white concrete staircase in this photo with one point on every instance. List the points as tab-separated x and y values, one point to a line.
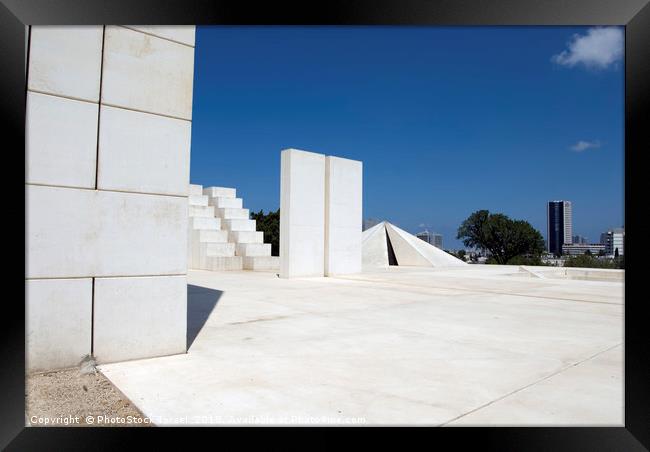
221	235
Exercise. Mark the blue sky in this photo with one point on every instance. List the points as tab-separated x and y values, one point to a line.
447	120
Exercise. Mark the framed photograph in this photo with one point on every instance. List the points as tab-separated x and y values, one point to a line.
351	213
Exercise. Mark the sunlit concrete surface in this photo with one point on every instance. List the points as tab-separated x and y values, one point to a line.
473	345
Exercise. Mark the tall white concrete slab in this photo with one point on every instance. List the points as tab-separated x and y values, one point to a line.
139	317
60	141
375	247
66	61
147	73
302	219
57	322
343	215
141	152
80	233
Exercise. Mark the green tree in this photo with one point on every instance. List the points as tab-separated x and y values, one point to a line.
460	254
527	260
586	261
503	237
588	253
270	224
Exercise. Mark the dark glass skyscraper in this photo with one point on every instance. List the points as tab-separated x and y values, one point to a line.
560	225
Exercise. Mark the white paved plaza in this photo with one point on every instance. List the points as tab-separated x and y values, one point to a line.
473	345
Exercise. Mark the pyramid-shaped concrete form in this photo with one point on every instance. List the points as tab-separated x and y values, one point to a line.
385	244
374	246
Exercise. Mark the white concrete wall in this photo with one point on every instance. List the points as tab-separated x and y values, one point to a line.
107	173
147	73
343	215
132	311
58	316
61	135
66	61
320	214
131	143
83	233
302	214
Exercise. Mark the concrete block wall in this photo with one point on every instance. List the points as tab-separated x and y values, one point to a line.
108	128
320	214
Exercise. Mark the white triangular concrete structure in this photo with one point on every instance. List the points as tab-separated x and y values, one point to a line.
374	248
408	249
221	235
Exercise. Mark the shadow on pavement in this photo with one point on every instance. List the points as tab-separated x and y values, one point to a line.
200	303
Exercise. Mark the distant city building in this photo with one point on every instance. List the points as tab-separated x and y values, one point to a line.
369	222
575	249
430	237
579	239
424	235
559	225
613	239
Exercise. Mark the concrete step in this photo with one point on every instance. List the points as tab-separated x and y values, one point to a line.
202	211
216	263
196	250
201	253
226	203
209	236
196	189
253	249
205	223
198	200
224	263
239	225
233	214
261	263
246	236
219	249
220	192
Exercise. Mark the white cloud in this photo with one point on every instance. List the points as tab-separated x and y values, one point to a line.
582	145
598	49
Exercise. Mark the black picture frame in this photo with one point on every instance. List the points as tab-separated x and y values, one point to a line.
15	15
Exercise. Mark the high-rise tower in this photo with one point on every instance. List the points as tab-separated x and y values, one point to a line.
559	225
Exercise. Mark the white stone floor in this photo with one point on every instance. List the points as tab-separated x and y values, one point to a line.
462	346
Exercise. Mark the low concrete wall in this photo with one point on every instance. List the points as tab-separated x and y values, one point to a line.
588	274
